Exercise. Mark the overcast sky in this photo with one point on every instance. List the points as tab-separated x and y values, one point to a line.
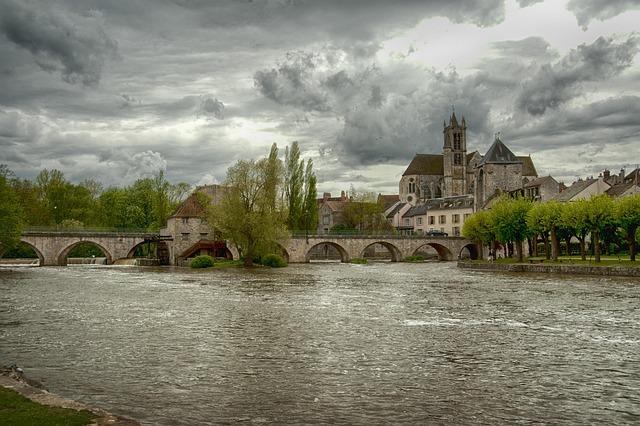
115	90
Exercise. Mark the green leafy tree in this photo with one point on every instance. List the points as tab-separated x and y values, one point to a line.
547	218
11	213
245	214
477	228
310	203
294	186
509	221
627	215
364	213
574	218
599	216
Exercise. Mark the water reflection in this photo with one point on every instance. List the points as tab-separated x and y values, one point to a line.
328	343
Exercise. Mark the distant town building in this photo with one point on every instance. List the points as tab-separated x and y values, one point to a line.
330	211
583	189
438	215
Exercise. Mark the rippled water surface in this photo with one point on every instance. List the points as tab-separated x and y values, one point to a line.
329	343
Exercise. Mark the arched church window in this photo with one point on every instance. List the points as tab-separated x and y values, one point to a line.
457	159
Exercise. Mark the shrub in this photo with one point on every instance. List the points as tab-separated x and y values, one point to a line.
359	261
274	260
416	258
202	261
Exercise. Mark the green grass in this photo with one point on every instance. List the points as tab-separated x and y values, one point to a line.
222	264
416	258
572	260
359	261
15	409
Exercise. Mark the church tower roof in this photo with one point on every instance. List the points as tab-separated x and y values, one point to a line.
453	121
500	154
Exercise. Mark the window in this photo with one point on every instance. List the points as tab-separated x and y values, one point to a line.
185	236
185	220
419	221
432	220
456	141
204	234
326	219
412	187
442	219
456	218
457	159
466	216
406	221
456	231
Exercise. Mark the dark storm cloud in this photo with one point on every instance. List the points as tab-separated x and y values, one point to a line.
590	122
556	84
525	3
75	45
587	10
211	107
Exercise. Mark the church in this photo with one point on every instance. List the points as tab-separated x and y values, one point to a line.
456	172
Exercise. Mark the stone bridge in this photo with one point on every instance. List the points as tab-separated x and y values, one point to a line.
53	247
298	249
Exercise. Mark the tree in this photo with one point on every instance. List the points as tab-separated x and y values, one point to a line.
574	218
293	186
310	203
509	221
246	215
599	215
547	218
11	213
627	215
363	212
477	228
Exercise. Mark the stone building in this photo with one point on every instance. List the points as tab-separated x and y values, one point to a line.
500	171
188	234
456	172
330	211
445	215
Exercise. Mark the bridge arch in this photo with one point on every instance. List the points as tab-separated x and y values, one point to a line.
443	252
474	253
61	258
396	254
34	248
344	255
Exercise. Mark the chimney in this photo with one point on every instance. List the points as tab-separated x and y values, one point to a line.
621	174
343	196
607	174
326	196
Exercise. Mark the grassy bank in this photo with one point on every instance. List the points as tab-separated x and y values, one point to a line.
15	409
569	260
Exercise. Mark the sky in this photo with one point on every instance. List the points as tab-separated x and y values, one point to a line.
117	90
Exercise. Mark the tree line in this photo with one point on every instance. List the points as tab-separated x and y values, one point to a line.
53	201
609	223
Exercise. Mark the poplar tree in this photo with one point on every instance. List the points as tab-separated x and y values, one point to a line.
294	186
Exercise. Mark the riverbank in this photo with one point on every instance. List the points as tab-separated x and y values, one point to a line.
553	268
41	406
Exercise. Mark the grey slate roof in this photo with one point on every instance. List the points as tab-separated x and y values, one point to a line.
395	210
417	210
500	154
574	189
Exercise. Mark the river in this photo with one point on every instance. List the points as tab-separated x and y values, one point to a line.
329	343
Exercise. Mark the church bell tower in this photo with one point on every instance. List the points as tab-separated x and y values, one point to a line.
454	157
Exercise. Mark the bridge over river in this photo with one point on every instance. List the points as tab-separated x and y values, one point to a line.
53	246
